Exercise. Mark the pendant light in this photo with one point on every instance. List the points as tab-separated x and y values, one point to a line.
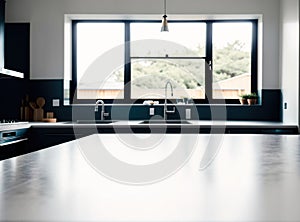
164	27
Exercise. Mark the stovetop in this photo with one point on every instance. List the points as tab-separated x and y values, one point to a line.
10	121
11	124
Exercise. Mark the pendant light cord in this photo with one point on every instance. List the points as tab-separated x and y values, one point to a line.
164	27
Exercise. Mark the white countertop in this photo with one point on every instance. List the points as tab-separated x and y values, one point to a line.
251	178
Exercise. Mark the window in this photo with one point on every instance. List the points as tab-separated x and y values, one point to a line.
130	61
176	55
231	59
93	43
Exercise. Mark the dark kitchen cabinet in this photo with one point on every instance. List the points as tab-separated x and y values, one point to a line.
44	137
17	54
41	138
17	47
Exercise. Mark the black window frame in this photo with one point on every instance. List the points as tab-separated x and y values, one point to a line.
127	67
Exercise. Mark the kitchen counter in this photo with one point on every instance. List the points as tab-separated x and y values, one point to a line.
194	126
251	178
192	123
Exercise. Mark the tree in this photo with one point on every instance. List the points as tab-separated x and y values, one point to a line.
230	61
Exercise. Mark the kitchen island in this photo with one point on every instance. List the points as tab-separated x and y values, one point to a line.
246	178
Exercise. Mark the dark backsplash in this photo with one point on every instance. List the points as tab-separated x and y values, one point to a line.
14	90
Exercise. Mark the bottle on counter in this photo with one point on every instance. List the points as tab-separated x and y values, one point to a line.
27	110
22	110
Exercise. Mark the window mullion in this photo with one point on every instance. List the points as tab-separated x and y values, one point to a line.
208	61
127	66
254	57
73	82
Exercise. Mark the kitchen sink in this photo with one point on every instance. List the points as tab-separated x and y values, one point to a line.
165	122
95	121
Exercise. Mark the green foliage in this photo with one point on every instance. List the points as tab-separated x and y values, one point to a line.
153	74
245	96
249	96
252	96
229	61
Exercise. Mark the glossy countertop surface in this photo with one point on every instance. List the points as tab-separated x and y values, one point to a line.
246	178
192	123
138	124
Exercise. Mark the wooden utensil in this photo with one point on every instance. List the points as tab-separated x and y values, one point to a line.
40	101
33	105
38	111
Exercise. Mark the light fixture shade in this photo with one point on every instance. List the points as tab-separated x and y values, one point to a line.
164	27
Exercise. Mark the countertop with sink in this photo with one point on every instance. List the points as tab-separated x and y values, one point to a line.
184	125
162	122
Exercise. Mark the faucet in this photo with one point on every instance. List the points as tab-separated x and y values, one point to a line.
102	114
166	111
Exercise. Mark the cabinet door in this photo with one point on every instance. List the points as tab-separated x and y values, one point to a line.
17	47
41	138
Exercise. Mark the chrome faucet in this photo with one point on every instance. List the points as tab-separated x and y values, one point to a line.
166	111
102	114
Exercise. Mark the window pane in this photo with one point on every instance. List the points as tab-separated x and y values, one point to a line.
183	39
100	44
149	76
231	59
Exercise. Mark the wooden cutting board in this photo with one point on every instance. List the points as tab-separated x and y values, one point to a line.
38	111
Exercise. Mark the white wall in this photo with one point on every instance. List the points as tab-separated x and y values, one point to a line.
47	26
289	62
